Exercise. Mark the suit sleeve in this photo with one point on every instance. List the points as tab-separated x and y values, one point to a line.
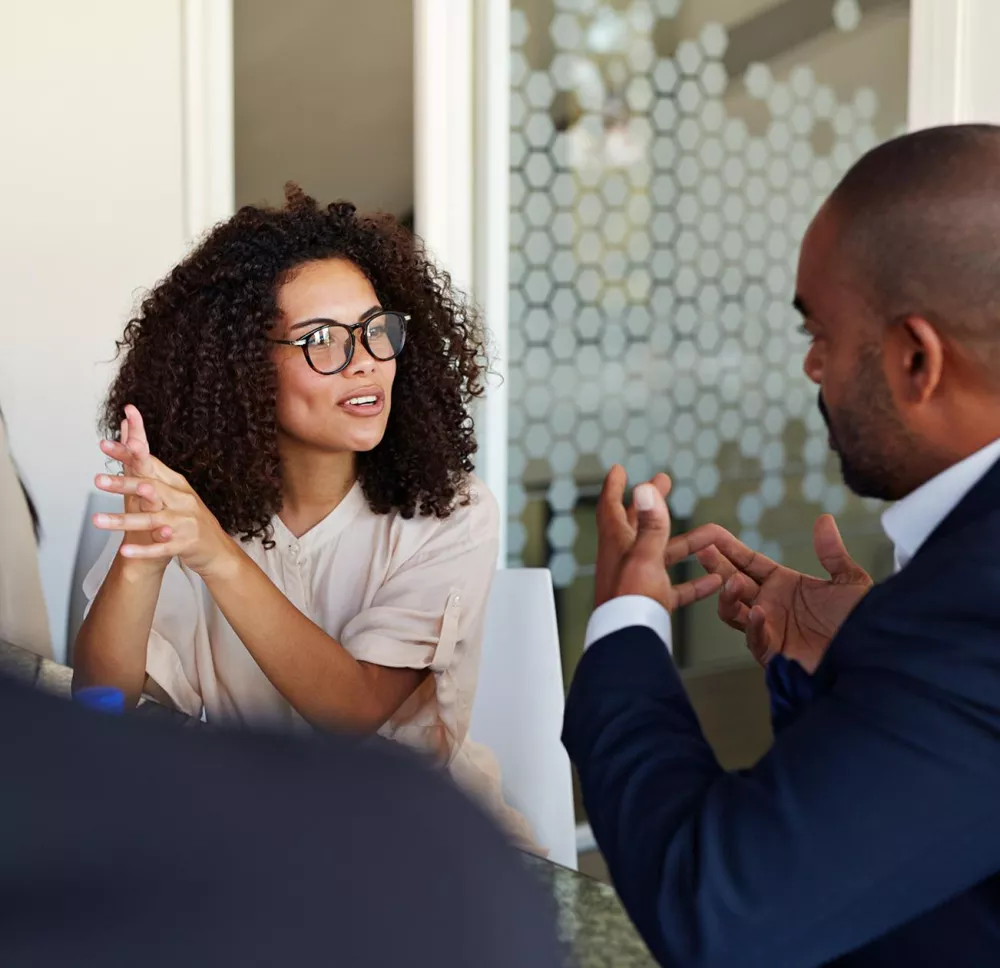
877	804
790	689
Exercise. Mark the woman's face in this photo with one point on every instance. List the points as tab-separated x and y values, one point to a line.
335	413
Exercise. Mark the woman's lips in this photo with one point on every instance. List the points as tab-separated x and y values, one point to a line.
365	403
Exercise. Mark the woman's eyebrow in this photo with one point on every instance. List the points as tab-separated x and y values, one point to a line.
319	320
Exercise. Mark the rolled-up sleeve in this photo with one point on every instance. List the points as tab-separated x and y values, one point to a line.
429	614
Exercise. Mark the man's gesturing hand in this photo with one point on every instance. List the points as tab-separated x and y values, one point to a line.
632	546
781	611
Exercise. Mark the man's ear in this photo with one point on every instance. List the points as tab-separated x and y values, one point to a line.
917	353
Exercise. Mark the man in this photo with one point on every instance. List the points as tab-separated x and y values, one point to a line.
127	843
870	833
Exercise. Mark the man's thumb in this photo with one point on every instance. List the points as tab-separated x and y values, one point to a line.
832	552
653	525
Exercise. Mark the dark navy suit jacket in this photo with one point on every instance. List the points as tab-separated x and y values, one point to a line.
870	833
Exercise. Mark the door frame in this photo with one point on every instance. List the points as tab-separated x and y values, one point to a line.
461	92
207	114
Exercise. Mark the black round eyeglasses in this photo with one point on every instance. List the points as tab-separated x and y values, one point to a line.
329	346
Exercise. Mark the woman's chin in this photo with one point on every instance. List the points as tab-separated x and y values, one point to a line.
360	442
357	437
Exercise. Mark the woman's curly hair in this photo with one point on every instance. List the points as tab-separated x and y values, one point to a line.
197	363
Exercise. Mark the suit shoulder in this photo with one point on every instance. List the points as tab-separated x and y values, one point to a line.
937	622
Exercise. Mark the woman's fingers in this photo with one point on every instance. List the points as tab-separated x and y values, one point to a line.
157	550
132	521
147	488
116	484
116	451
136	441
170	477
132	450
141	493
134	456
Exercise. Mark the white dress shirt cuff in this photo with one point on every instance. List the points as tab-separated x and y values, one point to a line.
629	610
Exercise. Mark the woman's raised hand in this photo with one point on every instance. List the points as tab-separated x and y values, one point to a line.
164	517
132	452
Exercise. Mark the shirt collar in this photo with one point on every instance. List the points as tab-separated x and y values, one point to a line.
326	529
911	521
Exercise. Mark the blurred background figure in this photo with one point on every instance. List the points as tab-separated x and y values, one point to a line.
23	619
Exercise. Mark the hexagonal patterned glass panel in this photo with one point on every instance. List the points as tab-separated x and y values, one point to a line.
664	167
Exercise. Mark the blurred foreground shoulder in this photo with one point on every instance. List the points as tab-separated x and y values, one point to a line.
245	848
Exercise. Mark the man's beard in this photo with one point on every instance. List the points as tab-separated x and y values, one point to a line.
868	435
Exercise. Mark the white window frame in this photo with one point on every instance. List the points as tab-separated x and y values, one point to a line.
461	164
209	140
954	71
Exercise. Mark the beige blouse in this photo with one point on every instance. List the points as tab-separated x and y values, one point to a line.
404	593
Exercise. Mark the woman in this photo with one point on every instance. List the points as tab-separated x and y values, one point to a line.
304	541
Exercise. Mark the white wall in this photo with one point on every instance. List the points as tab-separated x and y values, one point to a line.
323	97
91	168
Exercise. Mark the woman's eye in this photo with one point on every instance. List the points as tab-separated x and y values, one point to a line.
321	337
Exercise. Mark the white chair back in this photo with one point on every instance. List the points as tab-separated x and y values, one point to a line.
88	550
518	710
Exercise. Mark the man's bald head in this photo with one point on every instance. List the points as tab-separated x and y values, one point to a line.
919	222
899	286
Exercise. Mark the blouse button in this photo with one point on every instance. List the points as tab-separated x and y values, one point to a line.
293	551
